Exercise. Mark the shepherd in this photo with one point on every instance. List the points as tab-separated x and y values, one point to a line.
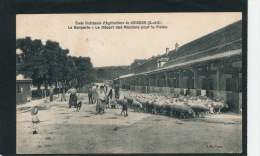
73	96
111	97
35	119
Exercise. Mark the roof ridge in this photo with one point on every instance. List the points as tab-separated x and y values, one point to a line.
198	52
226	54
213	32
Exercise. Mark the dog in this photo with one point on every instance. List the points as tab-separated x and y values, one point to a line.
125	110
78	105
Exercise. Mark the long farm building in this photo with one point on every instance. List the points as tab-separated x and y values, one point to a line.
210	65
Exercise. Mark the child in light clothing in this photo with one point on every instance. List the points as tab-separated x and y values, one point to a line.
35	119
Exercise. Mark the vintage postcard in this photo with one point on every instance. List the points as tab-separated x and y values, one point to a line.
129	83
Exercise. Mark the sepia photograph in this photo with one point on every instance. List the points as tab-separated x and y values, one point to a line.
127	83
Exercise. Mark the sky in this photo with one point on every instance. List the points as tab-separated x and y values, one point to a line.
114	47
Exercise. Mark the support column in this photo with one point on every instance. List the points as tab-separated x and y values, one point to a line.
166	79
235	76
144	81
180	79
196	75
218	76
156	81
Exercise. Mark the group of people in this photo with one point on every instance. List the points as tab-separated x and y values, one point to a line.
101	95
97	95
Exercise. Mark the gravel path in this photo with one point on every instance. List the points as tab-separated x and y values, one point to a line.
66	131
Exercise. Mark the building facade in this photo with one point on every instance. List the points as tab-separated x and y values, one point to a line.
210	65
23	89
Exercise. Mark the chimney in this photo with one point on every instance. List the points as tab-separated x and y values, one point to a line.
167	51
176	46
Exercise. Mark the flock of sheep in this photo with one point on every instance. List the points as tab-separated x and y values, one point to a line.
173	105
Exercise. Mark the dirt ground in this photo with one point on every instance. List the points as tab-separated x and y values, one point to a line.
66	131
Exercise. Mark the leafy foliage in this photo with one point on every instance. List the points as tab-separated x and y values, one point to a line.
50	63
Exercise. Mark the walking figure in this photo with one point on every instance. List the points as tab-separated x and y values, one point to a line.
73	96
90	92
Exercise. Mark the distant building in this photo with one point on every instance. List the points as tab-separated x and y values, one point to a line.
23	89
210	65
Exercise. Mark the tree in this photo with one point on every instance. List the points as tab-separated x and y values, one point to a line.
54	57
83	71
30	61
50	63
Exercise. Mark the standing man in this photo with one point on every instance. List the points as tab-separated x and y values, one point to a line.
117	91
51	91
90	95
111	97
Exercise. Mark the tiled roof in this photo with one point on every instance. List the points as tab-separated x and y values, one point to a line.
225	39
227	54
209	52
223	43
